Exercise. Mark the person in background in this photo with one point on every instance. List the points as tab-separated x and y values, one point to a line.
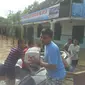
74	51
8	69
30	44
66	46
52	61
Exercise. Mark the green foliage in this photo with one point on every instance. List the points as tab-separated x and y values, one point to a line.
31	8
12	22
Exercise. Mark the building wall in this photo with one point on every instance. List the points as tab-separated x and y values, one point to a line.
67	31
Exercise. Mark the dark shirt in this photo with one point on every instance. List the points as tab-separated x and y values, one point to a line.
66	46
14	55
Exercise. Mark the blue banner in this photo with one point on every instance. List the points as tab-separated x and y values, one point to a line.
41	15
78	10
84	1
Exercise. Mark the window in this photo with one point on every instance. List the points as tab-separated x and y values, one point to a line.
77	1
57	31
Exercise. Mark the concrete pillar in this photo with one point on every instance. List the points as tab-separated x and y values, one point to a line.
52	25
35	31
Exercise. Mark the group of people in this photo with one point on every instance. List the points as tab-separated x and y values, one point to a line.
73	48
52	59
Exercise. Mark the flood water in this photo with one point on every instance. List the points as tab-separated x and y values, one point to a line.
6	45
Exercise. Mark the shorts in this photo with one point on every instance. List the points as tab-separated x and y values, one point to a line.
8	72
74	63
51	81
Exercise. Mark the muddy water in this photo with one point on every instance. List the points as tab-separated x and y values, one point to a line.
5	46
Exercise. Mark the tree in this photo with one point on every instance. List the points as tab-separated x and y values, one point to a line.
35	6
25	11
15	18
31	8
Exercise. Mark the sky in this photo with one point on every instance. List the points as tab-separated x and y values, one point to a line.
14	5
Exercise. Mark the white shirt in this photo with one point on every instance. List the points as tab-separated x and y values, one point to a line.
74	50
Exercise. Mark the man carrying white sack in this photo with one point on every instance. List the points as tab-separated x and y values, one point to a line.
53	61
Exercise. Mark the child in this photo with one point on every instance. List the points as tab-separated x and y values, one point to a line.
8	69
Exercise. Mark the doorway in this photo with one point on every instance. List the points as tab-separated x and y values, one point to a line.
28	33
78	33
57	31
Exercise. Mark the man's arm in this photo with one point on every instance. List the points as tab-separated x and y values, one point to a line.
52	59
48	66
69	49
65	47
51	64
78	49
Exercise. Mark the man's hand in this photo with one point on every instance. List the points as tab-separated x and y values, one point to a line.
42	63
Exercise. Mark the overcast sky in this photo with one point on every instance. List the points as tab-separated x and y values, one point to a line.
14	5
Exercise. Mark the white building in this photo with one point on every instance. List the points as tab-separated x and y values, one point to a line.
65	19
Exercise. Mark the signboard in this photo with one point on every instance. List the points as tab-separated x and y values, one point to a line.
42	15
54	11
35	16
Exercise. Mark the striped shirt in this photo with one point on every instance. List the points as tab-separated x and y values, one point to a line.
14	55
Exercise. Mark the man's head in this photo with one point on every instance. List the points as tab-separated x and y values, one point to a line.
30	43
21	43
75	42
69	41
46	36
38	44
